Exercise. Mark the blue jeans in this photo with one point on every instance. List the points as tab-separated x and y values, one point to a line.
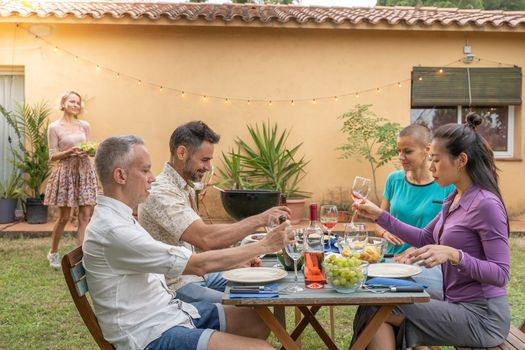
182	338
210	290
433	278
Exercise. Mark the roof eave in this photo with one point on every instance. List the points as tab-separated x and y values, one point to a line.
238	23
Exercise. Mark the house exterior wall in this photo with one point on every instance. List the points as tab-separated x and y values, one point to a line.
249	63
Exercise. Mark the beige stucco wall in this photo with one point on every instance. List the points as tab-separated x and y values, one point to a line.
254	63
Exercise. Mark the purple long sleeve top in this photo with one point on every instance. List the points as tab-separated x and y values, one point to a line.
478	227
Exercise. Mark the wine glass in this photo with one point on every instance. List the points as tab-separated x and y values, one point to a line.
294	250
355	237
329	220
360	190
273	222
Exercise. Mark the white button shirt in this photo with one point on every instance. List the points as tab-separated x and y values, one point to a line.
125	270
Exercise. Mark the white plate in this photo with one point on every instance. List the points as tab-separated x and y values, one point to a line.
256	237
254	274
392	270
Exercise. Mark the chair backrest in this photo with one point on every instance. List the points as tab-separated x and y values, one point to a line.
75	276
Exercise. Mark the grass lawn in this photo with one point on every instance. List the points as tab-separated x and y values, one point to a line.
37	312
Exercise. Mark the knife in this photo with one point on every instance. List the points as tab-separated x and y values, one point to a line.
251	291
407	289
249	287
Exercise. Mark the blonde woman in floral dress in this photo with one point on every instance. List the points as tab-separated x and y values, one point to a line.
73	182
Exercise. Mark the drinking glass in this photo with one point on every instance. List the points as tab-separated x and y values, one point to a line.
329	220
355	237
360	190
294	250
273	222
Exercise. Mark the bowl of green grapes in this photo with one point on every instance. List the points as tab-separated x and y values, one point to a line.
345	274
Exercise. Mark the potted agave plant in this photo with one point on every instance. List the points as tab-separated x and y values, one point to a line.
262	172
10	192
29	123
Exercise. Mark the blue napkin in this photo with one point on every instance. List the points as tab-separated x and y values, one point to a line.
334	249
266	293
393	282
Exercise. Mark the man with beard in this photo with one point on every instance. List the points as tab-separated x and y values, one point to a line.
170	216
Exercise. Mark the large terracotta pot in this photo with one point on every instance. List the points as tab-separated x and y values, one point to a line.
297	206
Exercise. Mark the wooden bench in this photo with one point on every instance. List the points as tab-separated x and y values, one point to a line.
75	276
515	340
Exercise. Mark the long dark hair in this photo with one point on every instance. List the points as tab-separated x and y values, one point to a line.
481	166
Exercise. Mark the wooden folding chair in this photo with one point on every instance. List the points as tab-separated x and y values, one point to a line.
75	276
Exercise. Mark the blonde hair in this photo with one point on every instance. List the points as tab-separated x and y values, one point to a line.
64	98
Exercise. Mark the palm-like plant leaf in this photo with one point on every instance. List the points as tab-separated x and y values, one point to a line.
29	123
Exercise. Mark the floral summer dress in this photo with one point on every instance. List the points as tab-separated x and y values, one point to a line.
73	181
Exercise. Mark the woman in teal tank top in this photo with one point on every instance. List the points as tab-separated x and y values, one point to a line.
412	195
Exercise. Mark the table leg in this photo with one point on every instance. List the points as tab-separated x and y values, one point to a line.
280	314
266	315
318	328
371	328
300	327
298	318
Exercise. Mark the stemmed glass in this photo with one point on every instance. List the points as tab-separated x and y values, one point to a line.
273	222
329	220
360	190
294	250
355	237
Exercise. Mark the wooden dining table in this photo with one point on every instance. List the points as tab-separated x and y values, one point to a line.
309	301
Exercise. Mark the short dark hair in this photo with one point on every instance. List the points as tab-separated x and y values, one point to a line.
192	135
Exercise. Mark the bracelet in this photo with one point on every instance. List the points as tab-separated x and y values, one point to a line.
382	234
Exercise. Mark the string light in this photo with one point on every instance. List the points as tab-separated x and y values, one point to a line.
227	99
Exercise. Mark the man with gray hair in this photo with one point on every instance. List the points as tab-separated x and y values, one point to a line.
170	214
125	268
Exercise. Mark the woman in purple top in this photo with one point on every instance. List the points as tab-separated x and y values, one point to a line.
468	238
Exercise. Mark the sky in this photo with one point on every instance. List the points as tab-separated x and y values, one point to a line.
342	3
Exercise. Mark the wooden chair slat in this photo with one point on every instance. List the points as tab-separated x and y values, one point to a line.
515	342
78	288
517	333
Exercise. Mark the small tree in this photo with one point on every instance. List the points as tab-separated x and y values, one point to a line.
369	137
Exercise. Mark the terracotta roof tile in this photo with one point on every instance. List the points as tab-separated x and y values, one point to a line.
411	16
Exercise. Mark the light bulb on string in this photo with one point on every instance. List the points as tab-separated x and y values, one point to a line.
249	101
118	75
76	58
226	101
139	83
420	78
161	89
378	90
182	94
399	84
204	98
98	67
292	102
440	70
357	95
55	49
314	101
336	98
270	103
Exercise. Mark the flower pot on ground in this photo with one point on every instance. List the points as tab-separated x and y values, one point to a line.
10	192
297	206
31	156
